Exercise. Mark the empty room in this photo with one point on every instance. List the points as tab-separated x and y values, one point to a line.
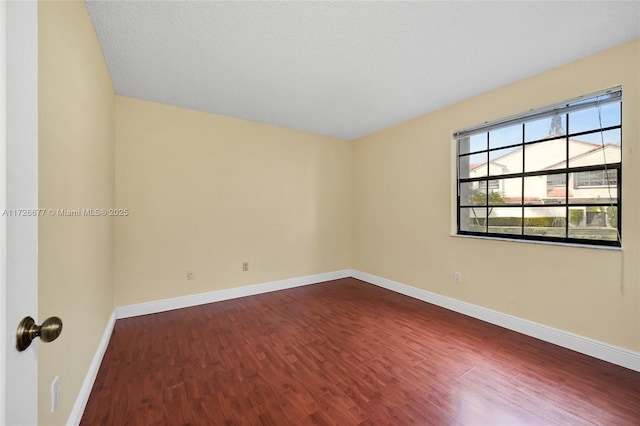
305	213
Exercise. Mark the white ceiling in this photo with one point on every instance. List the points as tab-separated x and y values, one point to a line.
343	69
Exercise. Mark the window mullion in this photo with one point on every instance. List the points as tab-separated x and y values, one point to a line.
486	188
566	188
522	178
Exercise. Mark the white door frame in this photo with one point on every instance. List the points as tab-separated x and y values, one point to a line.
19	190
3	206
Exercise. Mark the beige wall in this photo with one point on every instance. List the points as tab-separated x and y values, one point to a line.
76	154
206	193
403	215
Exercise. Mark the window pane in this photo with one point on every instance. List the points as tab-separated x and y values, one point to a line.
505	191
473	193
495	197
595	118
473	143
536	191
478	142
594	223
474	165
587	150
545	155
611	114
504	161
505	136
505	220
556	188
545	221
546	127
595	186
473	219
576	218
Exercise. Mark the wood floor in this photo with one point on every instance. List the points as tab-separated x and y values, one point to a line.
347	353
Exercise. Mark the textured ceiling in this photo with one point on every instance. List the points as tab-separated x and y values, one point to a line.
343	69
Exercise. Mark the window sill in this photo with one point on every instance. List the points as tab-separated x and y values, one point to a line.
551	243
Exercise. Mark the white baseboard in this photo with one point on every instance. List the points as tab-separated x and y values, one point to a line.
83	396
585	345
226	294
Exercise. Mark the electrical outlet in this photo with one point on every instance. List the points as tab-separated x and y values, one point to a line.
457	277
54	394
245	266
190	275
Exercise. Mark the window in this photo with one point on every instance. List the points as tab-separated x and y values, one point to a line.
557	180
493	184
552	174
596	178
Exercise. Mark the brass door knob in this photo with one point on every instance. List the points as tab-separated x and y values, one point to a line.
29	330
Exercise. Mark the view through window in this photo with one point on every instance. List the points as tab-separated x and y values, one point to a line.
553	174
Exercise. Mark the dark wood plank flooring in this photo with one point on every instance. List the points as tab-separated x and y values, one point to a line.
347	353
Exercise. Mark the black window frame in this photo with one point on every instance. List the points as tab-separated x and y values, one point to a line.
563	109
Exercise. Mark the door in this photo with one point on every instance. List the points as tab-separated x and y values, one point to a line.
18	190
